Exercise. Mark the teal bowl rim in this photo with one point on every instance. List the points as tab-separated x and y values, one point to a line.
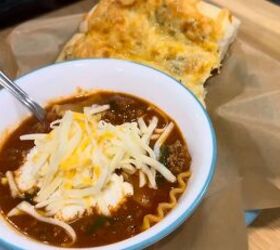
199	197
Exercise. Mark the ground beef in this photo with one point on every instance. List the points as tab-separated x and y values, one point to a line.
121	102
123	109
177	157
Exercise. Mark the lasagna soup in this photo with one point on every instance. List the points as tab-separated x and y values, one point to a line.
105	167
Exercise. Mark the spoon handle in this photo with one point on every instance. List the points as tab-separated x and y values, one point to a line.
22	96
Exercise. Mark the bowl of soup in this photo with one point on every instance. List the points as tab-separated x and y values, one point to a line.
124	157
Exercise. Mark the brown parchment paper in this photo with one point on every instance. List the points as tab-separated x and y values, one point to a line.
243	102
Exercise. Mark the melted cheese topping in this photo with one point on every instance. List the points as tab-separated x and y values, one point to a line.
171	35
71	170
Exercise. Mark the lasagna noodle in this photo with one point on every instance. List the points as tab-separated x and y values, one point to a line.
164	207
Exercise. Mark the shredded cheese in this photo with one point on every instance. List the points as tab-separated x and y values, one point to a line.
74	165
12	184
162	139
29	209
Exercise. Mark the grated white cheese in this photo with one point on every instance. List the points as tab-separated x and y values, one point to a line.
74	165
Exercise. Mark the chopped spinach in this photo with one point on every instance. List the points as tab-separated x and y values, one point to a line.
164	154
160	180
29	198
98	223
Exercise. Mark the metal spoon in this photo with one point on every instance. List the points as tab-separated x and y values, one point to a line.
23	97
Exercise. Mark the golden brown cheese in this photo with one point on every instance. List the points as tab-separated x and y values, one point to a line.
170	35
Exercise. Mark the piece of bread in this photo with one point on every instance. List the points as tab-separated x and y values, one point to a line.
184	38
230	26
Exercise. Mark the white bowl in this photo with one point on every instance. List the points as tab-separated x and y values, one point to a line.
106	74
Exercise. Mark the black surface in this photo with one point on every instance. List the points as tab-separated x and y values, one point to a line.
16	11
275	1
